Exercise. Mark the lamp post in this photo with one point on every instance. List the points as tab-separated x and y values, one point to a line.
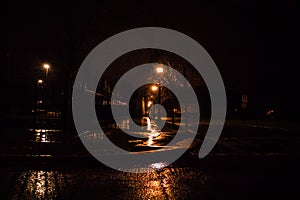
38	100
46	67
158	70
157	88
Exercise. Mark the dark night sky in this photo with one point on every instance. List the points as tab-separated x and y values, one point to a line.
254	44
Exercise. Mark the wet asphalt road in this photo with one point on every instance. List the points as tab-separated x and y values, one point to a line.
211	178
247	163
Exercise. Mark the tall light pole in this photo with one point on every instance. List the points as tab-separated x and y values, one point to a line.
159	70
157	87
46	67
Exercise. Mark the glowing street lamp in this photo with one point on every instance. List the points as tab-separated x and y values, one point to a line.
40	81
154	88
159	69
149	103
46	67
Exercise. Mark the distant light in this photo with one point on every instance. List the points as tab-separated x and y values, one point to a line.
154	87
46	66
40	81
159	70
149	103
269	112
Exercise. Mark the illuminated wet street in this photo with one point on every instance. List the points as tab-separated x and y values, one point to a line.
250	166
223	179
170	183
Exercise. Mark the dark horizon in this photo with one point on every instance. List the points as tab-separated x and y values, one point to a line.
253	44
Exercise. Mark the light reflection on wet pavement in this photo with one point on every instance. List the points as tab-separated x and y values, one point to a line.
245	164
105	183
150	138
39	185
223	179
168	183
45	135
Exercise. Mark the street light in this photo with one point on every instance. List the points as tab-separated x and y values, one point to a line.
149	103
154	88
40	81
157	87
46	67
159	69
